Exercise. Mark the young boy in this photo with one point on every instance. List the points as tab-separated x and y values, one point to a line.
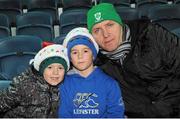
87	92
34	94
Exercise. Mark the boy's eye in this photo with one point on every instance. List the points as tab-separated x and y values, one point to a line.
49	67
86	51
60	67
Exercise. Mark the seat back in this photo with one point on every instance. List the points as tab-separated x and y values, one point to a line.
4	26
70	19
36	23
166	15
11	8
145	5
15	54
76	4
47	6
120	3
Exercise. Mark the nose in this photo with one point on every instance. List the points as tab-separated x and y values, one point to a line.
55	71
105	32
80	55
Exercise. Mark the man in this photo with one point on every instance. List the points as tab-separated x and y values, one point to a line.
143	57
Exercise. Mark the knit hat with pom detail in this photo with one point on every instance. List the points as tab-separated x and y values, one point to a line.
51	54
81	35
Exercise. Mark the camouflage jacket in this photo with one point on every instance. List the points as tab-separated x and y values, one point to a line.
29	96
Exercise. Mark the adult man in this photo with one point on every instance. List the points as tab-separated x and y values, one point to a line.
143	57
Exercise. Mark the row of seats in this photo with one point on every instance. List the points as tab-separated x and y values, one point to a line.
41	24
15	54
12	8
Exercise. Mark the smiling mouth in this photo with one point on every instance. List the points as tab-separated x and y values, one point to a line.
54	78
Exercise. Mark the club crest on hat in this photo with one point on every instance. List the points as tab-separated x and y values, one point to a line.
98	17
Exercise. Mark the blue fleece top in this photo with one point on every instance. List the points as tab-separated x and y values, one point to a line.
95	96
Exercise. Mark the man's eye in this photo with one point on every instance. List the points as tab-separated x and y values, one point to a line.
74	53
96	30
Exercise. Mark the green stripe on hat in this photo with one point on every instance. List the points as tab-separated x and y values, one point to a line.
52	60
101	12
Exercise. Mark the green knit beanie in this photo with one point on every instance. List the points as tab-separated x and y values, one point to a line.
52	60
101	12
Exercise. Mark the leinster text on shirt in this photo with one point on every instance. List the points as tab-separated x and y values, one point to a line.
86	111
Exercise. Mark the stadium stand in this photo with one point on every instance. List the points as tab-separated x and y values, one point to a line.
128	14
48	6
176	31
15	53
69	4
59	39
72	18
166	15
4	26
11	8
36	23
145	5
120	3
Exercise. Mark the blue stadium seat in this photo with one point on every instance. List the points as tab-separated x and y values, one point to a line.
128	14
120	3
15	53
35	23
4	84
4	26
47	6
69	4
145	5
70	19
166	15
59	39
11	8
177	1
176	31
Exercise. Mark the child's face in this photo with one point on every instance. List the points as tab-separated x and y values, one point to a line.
81	57
54	73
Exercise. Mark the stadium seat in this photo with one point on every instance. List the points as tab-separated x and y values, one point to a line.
15	53
120	3
11	8
176	31
4	84
166	15
48	6
177	1
128	14
59	39
76	4
145	5
35	23
4	26
70	19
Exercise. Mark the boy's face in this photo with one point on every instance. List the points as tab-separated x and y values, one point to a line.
82	57
108	35
54	73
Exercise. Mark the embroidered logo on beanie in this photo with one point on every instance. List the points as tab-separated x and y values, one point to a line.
98	17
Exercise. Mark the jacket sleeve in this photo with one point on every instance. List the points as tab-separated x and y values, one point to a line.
115	104
167	102
10	97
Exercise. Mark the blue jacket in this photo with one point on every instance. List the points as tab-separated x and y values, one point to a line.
95	96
